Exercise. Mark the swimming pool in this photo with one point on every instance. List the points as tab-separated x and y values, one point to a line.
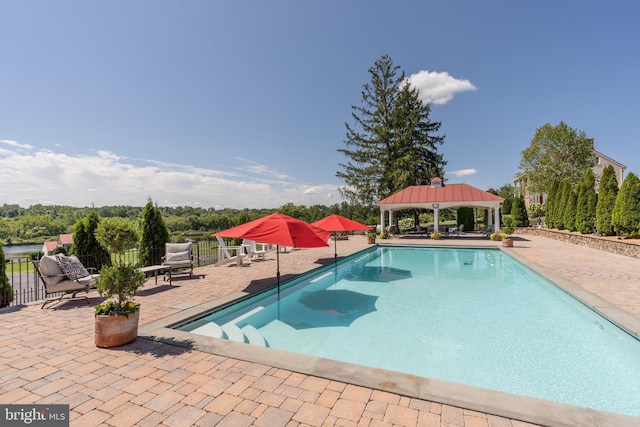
462	298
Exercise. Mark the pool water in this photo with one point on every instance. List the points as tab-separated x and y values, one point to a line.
471	316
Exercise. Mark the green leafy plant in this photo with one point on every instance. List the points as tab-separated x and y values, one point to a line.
6	291
385	235
508	228
436	235
121	280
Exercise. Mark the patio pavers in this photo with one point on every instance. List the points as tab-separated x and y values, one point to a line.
48	356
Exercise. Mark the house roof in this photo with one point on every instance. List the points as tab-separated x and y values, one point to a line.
66	239
51	246
450	195
610	160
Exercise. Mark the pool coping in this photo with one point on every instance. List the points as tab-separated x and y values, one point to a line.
513	406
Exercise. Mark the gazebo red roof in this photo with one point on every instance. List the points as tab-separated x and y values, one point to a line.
416	194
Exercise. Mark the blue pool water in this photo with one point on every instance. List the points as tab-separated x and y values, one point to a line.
471	316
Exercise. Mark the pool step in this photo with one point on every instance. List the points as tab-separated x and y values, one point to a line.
232	332
253	336
209	329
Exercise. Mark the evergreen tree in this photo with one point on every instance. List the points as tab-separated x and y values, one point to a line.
79	247
586	204
607	193
561	203
552	201
154	235
392	143
569	220
85	245
6	291
519	212
466	216
625	216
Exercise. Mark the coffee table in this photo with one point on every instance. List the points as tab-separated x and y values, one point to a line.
158	269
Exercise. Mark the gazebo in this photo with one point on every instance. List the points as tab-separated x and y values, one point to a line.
439	196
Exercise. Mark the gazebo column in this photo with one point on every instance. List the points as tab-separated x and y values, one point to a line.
436	220
390	220
382	211
497	218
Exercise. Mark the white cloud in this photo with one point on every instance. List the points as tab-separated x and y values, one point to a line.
438	88
462	172
15	144
48	177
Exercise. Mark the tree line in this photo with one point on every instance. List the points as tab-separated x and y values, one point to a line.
40	223
613	210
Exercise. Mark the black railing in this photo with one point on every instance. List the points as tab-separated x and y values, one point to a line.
27	287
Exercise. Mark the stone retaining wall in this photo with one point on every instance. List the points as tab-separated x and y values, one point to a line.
609	244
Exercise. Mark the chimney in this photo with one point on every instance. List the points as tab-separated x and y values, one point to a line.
436	182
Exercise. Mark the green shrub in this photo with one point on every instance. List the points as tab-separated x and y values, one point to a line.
608	191
625	216
6	291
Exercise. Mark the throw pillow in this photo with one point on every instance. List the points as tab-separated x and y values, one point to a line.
50	269
72	266
178	256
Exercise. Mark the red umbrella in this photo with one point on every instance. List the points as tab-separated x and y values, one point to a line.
281	230
337	222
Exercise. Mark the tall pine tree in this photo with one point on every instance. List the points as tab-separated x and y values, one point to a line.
6	291
86	246
392	143
154	235
550	209
586	205
519	212
560	205
625	216
607	193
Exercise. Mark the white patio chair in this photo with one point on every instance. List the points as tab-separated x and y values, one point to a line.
227	254
252	249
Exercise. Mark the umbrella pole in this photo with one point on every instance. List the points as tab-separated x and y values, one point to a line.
335	247
278	266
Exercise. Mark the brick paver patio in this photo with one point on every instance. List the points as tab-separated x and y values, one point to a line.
48	356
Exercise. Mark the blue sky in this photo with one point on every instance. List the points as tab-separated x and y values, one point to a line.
244	103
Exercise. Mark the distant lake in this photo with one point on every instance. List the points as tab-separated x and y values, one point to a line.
20	250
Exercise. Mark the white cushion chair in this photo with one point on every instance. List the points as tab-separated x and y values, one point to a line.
64	275
179	257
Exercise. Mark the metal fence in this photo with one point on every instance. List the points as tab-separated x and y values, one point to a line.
27	287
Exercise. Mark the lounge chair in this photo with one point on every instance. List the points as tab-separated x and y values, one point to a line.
179	257
487	231
457	231
64	275
252	249
227	254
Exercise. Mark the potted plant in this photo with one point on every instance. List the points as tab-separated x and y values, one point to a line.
371	236
436	235
507	239
116	320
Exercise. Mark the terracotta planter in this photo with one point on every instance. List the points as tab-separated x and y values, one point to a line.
371	240
507	243
112	331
